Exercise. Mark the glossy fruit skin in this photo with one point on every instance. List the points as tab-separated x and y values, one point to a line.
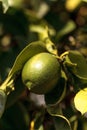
41	73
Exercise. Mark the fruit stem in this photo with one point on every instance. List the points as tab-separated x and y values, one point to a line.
64	54
7	85
50	46
43	36
42	31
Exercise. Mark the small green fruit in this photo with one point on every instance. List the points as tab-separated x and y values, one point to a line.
41	73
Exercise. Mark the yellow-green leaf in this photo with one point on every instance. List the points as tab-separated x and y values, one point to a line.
80	101
72	4
5	4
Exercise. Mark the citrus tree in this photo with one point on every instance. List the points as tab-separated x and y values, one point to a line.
43	60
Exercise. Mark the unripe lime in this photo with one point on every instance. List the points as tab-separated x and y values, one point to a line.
41	73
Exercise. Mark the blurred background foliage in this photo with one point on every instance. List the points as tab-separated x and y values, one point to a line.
67	22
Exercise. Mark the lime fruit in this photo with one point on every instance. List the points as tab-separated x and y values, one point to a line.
41	73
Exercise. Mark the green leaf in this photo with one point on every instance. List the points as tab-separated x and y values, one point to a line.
72	5
6	61
16	17
5	4
84	124
54	109
61	123
11	3
74	124
5	125
58	93
3	98
14	95
78	83
16	3
80	101
84	0
18	116
69	27
1	8
29	51
41	127
76	63
38	119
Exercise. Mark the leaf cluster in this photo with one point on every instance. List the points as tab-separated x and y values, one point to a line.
24	29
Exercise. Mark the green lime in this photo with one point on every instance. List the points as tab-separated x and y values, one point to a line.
41	73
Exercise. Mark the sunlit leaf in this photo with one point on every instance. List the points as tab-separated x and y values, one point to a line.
72	4
41	127
8	3
16	3
84	0
80	101
5	4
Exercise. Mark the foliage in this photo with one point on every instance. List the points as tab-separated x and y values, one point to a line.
30	27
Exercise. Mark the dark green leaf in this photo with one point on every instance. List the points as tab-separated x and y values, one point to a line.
78	83
17	116
38	120
54	110
3	98
5	125
14	95
69	27
15	22
77	64
61	123
58	93
6	61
